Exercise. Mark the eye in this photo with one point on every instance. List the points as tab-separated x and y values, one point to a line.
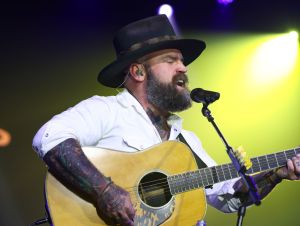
169	60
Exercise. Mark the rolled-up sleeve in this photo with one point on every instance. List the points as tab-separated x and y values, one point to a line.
83	122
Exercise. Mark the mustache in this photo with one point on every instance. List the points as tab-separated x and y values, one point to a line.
180	76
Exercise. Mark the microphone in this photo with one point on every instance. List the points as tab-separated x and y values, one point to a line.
204	96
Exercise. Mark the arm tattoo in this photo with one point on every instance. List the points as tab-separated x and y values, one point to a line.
265	182
69	165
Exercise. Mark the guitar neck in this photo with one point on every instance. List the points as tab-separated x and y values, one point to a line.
211	175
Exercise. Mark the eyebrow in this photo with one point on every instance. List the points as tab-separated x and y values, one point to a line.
172	57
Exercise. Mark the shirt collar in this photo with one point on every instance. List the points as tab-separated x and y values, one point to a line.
126	99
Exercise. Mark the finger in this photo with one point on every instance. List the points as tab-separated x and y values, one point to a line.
130	210
290	166
292	169
125	220
131	214
297	166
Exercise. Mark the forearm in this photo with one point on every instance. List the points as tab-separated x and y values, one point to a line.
68	164
265	183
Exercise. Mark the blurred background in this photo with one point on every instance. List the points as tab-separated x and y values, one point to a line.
52	51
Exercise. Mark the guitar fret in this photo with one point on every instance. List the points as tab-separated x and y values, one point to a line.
195	179
171	184
281	159
193	184
211	175
272	162
200	179
179	183
190	179
276	160
184	183
263	163
176	178
256	166
204	177
226	172
220	173
285	155
267	165
223	172
290	153
215	174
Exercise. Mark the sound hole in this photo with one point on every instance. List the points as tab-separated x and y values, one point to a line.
154	189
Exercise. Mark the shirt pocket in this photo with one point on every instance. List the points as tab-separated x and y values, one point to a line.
137	143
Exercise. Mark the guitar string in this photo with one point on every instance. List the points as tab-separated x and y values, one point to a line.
227	174
165	185
186	185
230	169
266	162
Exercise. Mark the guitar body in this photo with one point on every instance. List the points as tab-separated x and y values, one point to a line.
133	171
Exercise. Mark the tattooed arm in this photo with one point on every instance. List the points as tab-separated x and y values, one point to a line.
68	164
266	181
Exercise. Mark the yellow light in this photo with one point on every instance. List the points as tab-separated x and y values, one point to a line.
275	58
294	35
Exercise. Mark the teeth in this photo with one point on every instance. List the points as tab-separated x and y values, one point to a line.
180	82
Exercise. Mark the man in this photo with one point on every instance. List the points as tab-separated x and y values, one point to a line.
151	66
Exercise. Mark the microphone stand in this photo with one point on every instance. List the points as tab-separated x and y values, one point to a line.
248	180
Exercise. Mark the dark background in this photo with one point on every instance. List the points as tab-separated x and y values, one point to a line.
51	52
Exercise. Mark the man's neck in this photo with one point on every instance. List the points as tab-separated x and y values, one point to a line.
160	123
157	116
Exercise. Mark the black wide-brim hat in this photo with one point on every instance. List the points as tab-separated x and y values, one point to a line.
141	38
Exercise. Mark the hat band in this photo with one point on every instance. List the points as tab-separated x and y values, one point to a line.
150	41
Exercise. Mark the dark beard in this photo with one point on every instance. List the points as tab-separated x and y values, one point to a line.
166	96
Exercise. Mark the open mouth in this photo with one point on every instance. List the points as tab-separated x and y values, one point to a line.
180	82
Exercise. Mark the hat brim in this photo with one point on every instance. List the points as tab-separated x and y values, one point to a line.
113	74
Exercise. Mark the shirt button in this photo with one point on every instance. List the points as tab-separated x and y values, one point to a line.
142	147
47	135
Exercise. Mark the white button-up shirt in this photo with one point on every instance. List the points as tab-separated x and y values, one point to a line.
120	123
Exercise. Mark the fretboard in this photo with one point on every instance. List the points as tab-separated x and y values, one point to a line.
211	175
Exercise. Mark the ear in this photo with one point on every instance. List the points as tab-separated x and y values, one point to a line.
137	72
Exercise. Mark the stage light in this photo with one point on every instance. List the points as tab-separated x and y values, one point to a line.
166	9
5	138
224	2
294	35
276	58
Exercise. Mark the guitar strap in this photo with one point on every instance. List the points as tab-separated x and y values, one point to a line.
200	163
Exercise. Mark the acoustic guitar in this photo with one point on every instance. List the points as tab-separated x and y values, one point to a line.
164	183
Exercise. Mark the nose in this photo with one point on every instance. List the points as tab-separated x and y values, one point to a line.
181	67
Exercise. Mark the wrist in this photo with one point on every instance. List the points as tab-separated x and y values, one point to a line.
102	187
273	178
